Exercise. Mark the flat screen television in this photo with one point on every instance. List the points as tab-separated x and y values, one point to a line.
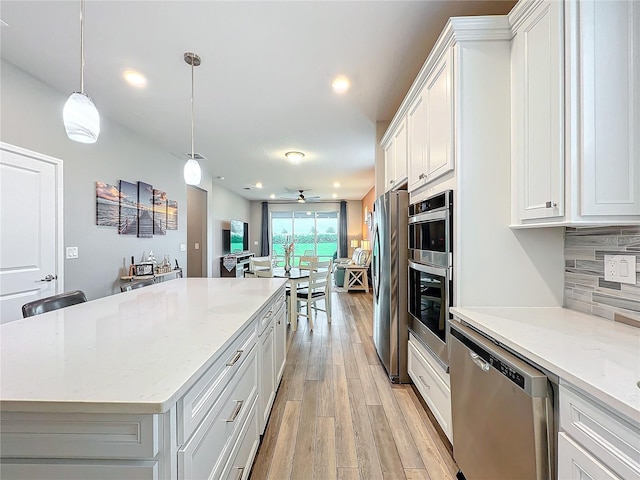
236	239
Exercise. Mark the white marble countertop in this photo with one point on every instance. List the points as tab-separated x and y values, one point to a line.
598	356
134	352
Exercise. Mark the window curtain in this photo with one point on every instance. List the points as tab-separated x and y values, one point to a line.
343	246
264	248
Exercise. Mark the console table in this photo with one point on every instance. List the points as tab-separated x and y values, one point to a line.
241	264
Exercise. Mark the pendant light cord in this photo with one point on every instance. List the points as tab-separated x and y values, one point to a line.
82	46
192	115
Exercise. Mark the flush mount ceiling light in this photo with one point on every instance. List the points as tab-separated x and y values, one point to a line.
259	185
335	195
336	184
273	195
340	84
192	170
80	116
135	79
294	157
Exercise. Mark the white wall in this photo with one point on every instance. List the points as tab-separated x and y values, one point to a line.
31	117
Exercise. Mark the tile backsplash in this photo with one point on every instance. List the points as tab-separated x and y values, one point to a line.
585	288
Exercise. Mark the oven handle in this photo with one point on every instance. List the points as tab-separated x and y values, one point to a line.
429	216
443	272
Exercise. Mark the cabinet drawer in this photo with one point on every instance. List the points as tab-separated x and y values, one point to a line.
574	463
245	449
195	404
268	313
434	390
78	435
612	440
210	445
74	470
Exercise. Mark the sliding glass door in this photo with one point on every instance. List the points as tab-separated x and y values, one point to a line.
312	233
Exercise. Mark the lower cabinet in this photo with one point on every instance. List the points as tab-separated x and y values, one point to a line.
267	394
432	383
92	470
594	443
280	332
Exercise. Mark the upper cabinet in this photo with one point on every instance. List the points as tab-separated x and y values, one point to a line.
395	156
430	124
574	104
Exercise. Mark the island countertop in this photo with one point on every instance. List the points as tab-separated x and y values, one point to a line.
599	356
134	352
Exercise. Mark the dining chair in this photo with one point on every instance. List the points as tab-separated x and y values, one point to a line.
139	284
261	268
54	302
317	289
306	261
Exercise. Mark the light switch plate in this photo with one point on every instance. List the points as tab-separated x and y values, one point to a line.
183	247
620	268
72	252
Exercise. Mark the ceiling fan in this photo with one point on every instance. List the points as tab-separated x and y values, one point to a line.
300	197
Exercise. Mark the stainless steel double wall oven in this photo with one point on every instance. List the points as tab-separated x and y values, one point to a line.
430	272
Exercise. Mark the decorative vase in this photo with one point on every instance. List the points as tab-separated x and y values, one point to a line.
287	263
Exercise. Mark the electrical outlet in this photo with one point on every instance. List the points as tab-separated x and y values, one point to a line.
72	252
620	268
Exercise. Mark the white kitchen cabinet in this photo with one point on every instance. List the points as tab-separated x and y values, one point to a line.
576	126
280	332
417	130
395	156
432	382
537	108
575	463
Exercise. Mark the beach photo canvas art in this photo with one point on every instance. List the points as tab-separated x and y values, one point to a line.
159	212
172	215
128	224
145	210
107	205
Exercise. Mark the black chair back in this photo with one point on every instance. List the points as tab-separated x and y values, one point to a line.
54	302
139	284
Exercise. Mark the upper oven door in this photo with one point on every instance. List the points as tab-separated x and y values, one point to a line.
429	240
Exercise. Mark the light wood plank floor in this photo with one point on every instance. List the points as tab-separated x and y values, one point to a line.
337	416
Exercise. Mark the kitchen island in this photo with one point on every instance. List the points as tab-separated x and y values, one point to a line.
166	381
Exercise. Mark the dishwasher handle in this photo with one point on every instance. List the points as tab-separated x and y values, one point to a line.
475	358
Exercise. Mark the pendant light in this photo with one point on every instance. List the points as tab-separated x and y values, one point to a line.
192	170
80	115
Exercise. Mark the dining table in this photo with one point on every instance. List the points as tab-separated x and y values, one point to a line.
294	277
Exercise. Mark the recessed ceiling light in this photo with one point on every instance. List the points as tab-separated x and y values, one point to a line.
340	84
336	184
273	195
259	185
135	79
335	195
294	157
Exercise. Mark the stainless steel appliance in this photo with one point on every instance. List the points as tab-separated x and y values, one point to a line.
430	284
502	412
389	274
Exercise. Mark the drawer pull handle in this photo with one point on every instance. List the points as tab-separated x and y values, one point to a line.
235	359
268	314
551	204
424	382
240	473
278	322
236	411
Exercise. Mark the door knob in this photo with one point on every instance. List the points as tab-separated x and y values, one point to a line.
49	278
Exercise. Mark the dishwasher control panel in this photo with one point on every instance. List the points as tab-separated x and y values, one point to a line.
509	372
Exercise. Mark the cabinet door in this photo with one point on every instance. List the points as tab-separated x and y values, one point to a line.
537	106
267	375
280	344
609	53
417	142
400	157
575	463
440	118
389	165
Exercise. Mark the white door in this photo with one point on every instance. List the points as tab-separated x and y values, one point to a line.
30	229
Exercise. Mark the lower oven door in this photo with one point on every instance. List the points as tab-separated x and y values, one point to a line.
429	302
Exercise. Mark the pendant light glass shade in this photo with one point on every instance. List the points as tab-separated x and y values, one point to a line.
81	118
192	172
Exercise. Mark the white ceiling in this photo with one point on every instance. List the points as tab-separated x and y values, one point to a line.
264	84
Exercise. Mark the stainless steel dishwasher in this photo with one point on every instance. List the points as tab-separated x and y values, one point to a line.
502	412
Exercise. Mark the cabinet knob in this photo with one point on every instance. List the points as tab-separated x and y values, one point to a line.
551	204
421	176
391	181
